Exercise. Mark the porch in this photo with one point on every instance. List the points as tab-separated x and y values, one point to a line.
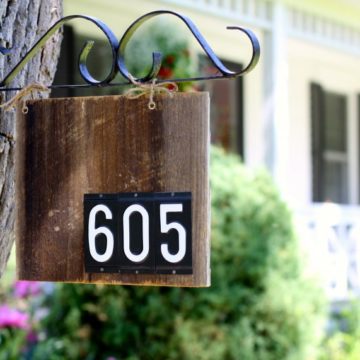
330	237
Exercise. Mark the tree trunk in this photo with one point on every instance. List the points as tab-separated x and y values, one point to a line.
22	22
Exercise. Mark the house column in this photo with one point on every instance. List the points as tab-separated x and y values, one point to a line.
276	100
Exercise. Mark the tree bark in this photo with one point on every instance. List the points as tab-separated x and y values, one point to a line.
22	22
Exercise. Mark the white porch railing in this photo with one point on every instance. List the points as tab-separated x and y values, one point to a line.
255	12
330	235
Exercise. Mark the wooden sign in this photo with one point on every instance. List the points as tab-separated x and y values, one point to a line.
109	191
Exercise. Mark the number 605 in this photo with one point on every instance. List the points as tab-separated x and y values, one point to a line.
145	233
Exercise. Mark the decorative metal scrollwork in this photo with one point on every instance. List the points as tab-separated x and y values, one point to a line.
118	53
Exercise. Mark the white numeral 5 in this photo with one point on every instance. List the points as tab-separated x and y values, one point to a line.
166	227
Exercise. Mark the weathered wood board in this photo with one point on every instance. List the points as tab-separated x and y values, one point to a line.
74	146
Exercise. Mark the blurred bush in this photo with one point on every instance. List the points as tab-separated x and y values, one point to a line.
342	340
259	307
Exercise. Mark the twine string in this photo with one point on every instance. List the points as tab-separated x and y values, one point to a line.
21	96
140	89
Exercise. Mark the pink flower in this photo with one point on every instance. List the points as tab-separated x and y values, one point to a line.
12	318
26	288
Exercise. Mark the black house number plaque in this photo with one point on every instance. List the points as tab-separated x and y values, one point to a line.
138	233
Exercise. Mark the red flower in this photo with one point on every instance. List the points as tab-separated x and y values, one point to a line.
165	72
171	87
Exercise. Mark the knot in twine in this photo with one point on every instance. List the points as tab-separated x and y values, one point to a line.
20	97
167	88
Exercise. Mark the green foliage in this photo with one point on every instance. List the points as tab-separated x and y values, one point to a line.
259	307
342	343
12	342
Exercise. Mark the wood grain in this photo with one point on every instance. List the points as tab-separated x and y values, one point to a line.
72	146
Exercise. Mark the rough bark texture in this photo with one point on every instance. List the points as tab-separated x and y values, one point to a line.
22	22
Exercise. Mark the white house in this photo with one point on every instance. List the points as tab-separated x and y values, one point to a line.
297	113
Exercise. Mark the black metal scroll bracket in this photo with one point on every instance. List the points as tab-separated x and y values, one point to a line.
118	54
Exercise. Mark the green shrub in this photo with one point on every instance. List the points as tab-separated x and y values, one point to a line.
342	341
259	306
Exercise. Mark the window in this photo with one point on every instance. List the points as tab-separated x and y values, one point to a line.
98	62
330	155
226	115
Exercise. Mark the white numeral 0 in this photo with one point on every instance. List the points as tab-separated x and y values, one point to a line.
93	232
166	227
145	233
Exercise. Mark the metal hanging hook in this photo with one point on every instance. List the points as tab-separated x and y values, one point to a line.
224	71
111	37
118	54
